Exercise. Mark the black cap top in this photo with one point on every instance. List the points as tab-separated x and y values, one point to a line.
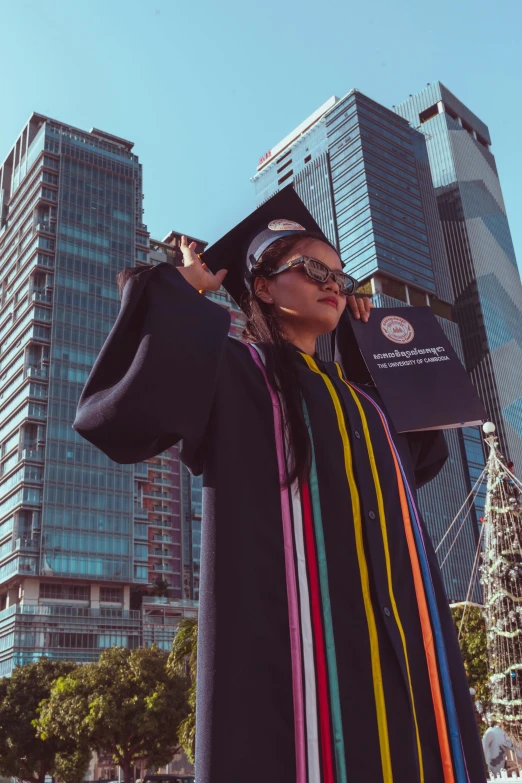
281	216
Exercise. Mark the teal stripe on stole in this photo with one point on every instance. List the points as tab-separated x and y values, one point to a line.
335	702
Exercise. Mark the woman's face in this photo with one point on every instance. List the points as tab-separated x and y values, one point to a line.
302	303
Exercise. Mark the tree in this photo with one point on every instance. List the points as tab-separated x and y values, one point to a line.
501	575
160	587
127	704
22	753
474	648
183	661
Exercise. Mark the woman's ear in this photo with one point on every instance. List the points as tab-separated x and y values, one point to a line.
261	290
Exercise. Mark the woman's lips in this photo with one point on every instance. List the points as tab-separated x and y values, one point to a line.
331	302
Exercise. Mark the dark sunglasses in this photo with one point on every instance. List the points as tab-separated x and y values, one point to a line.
320	272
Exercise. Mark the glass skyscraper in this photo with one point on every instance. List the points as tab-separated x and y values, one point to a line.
364	174
71	218
484	271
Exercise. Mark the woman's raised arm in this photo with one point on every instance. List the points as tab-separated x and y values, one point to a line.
153	383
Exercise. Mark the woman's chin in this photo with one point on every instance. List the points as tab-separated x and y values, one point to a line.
327	322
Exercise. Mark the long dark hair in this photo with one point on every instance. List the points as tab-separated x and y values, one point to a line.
264	327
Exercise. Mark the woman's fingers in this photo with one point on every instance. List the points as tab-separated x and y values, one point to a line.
196	271
359	307
188	251
364	304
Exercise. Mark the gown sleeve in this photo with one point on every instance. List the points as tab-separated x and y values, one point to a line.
154	380
429	453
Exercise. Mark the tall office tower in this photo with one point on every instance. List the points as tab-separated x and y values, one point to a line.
70	219
364	174
484	272
186	489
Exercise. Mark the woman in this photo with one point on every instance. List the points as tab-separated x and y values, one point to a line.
326	647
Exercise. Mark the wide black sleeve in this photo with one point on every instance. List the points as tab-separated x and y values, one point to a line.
154	380
429	452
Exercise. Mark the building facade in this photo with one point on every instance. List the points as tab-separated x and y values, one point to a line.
364	174
484	271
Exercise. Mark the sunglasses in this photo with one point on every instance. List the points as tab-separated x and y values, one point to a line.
320	273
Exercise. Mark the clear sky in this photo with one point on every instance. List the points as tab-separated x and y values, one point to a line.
204	88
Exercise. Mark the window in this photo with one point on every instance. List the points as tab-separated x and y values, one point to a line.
427	114
392	288
286	176
308	159
111	594
285	164
284	155
65	592
442	309
141	573
141	551
417	298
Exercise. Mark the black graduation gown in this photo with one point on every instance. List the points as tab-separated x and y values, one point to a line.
312	662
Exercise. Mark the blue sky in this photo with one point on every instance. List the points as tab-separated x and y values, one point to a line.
204	88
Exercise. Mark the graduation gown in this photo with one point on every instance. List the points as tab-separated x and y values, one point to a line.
326	649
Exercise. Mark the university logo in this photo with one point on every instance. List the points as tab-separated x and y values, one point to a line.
285	225
397	329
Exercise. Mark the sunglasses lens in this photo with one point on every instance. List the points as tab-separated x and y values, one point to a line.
317	270
345	283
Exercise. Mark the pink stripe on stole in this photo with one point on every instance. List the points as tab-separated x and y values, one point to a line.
291	585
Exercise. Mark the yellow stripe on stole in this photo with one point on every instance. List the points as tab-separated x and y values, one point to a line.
380	704
384	531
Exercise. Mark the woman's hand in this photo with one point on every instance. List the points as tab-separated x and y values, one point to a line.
359	307
195	272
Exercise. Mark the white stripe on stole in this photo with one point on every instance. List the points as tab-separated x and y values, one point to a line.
312	727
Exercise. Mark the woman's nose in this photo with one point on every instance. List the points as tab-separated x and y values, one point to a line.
331	285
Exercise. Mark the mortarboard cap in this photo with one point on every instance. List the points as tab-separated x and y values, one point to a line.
282	215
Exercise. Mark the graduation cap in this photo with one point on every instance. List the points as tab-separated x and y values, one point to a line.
281	216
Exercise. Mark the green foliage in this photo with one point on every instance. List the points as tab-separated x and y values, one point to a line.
160	587
183	661
474	648
22	753
127	704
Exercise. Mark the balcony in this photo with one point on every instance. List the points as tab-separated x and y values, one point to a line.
27	545
35	372
42	296
140	512
165	481
164	539
45	261
151	493
173	602
79	612
46	228
36	455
